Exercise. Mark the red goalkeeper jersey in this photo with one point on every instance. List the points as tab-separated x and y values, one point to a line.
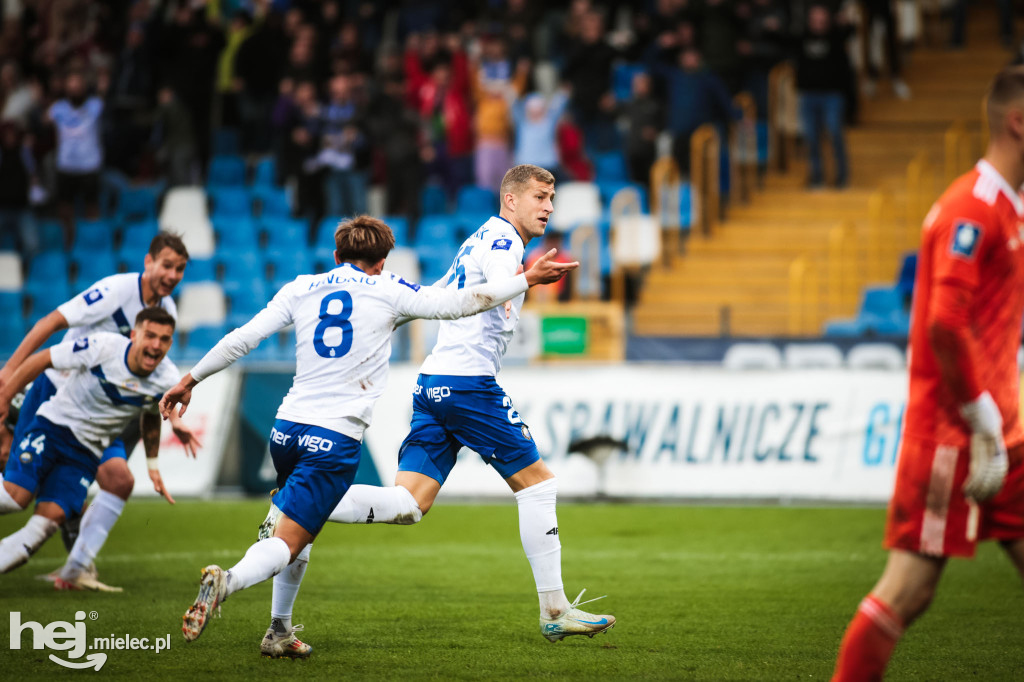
970	276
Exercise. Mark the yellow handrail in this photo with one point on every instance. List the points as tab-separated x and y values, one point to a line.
842	268
803	297
704	177
781	95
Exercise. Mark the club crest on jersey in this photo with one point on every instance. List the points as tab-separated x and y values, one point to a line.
966	237
80	344
503	244
526	432
93	296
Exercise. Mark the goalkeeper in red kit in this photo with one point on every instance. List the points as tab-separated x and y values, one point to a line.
960	477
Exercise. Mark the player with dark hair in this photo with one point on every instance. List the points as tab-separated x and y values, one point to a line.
960	477
110	381
468	408
108	305
343	322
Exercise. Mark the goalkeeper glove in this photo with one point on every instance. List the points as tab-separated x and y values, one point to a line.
989	462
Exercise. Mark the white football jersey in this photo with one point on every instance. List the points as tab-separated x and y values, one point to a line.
109	305
474	346
100	395
343	322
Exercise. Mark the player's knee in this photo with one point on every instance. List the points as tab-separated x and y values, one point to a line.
117	480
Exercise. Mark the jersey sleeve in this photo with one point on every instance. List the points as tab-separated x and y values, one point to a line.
960	247
275	317
96	303
412	300
84	352
501	258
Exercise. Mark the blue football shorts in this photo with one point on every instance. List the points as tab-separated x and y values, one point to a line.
449	412
315	467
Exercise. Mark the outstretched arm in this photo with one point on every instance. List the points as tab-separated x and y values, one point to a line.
450	304
149	423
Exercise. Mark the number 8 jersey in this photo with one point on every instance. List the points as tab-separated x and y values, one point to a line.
343	322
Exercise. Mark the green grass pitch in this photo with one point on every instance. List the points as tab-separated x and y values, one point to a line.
706	593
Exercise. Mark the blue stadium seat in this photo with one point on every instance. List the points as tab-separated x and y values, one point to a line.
622	79
610	166
138	235
609	188
230	201
138	203
245	299
881	313
273	201
10	305
51	235
905	282
265	173
284	234
241	266
438	231
325	232
201	270
93	235
323	259
226	169
762	142
287	265
12	331
46	298
202	339
236	232
227	141
434	262
131	258
46	268
433	200
93	267
473	199
399	227
846	328
469	222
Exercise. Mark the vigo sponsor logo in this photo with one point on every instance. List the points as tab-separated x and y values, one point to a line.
438	393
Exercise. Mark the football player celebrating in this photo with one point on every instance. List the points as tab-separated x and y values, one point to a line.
110	382
960	477
108	305
475	412
343	322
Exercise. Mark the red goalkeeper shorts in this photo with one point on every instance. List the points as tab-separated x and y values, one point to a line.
928	513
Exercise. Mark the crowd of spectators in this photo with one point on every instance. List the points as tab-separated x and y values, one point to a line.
346	94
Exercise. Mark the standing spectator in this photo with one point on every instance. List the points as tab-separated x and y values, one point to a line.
238	30
497	83
588	70
822	67
258	70
17	172
644	117
79	152
875	10
444	106
174	139
300	151
17	96
572	156
720	35
342	152
536	121
695	96
395	131
765	46
958	14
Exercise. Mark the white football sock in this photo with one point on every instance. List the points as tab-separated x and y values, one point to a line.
7	503
264	559
286	589
376	504
538	530
16	548
99	518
